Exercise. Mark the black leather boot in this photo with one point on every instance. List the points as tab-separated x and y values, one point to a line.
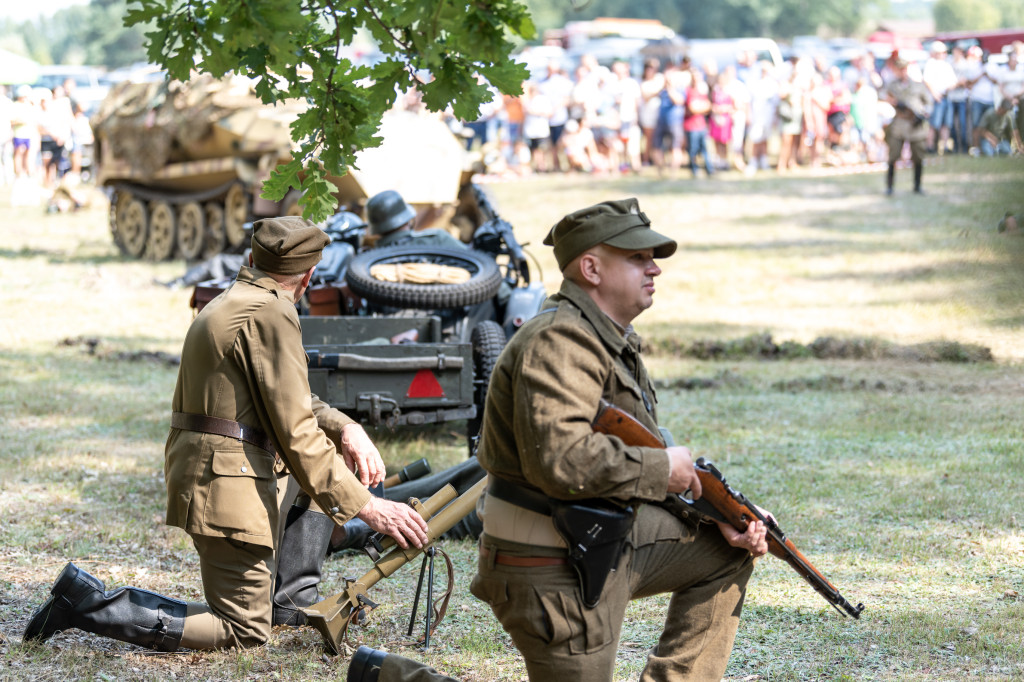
79	600
373	665
890	176
351	535
365	665
300	563
918	172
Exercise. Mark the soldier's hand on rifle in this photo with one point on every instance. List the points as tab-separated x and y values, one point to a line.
682	476
396	519
361	455
754	539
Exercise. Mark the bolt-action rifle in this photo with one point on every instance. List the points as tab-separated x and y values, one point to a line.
442	510
719	501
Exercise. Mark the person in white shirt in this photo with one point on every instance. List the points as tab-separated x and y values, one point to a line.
557	88
1010	81
981	88
958	102
626	92
939	78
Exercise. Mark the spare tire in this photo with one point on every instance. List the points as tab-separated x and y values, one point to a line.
482	284
488	339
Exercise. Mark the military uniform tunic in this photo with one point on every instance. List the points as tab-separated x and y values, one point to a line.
243	360
544	394
914	105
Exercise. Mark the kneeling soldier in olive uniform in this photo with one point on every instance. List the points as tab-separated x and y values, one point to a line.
243	419
546	465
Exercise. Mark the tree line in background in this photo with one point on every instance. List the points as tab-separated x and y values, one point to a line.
81	34
95	33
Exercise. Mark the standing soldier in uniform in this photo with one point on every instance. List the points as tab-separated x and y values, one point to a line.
243	419
913	105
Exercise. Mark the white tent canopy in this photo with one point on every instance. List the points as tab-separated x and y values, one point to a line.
15	69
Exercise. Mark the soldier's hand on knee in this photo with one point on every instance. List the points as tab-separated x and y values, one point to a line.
682	476
396	519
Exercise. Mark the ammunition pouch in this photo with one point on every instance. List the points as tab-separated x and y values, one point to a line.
595	531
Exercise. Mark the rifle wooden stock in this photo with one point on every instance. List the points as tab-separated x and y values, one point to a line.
719	501
330	616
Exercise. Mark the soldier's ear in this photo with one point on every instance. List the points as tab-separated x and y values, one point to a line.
307	277
590	268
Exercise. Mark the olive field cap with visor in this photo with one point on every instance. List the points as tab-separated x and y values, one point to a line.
288	245
620	224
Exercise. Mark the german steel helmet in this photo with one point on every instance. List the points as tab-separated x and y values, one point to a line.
387	211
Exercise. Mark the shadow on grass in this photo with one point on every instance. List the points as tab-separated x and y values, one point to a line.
56	257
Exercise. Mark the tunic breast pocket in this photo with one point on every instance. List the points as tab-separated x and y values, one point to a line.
626	392
243	491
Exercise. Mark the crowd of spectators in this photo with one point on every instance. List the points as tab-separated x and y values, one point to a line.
809	112
44	136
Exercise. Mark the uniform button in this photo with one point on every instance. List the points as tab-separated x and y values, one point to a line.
244	470
335	510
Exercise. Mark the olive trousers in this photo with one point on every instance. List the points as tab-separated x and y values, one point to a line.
560	639
238	583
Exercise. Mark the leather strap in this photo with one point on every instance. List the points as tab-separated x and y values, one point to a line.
522	561
222	427
519	495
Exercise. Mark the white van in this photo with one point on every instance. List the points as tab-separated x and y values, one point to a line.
88	82
725	50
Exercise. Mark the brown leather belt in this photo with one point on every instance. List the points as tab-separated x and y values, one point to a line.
523	561
222	427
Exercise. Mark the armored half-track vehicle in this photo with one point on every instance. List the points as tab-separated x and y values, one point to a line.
184	164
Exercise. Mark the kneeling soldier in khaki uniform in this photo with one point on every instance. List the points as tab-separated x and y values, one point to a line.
545	462
546	465
243	420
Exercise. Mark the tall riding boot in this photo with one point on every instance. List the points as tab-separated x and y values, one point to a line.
373	665
353	534
78	600
890	175
300	562
918	171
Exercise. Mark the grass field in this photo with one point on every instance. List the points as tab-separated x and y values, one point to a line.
899	478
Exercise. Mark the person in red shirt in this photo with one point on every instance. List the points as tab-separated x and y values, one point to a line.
695	122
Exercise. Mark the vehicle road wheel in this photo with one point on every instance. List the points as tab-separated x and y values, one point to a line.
488	340
236	213
191	230
162	231
131	225
214	240
483	282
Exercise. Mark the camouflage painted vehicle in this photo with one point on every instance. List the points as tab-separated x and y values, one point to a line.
184	164
398	353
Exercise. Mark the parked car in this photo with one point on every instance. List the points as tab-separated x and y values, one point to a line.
89	85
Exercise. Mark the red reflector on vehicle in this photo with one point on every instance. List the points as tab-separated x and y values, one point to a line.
425	385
